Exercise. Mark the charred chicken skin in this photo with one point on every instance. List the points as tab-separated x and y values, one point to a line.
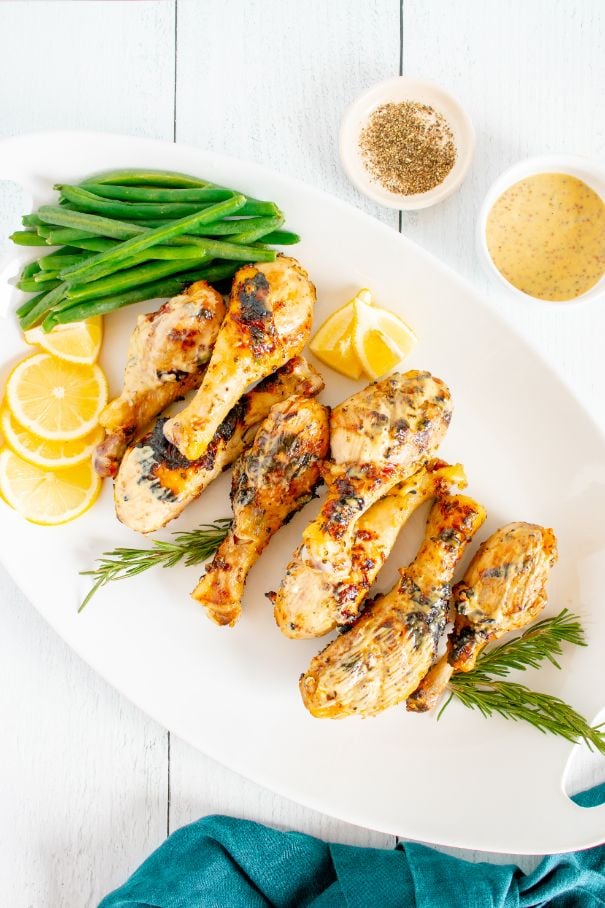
272	480
381	659
504	589
155	482
267	323
167	356
311	602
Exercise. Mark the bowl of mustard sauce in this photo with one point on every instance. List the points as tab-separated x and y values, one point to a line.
542	229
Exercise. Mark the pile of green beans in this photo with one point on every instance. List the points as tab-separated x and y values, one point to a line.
132	235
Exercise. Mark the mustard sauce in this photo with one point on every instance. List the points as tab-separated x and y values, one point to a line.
546	236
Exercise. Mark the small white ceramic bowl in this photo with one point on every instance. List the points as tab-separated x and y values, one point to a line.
590	172
395	90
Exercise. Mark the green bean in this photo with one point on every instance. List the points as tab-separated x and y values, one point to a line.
57	260
235	225
132	261
281	238
188	189
153	222
251	234
112	259
96	243
219	228
93	243
31	220
51	261
156	194
88	223
152	195
176	252
44	304
32	286
255	207
154	290
60	236
219	249
171	262
147	178
191	255
64	250
102	231
228	227
124	280
88	241
207	248
29	270
27	238
101	244
137	234
43	277
83	200
103	227
26	307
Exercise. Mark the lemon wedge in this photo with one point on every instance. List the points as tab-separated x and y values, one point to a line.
51	454
380	338
362	337
45	496
77	342
54	399
333	342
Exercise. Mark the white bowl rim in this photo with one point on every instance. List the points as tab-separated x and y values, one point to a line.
465	146
582	166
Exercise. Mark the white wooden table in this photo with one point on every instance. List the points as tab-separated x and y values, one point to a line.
89	785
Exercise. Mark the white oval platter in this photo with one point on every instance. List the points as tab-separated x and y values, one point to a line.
531	453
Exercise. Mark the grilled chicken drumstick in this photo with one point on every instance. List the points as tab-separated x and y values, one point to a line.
271	481
167	356
267	323
379	437
381	659
155	482
503	590
312	602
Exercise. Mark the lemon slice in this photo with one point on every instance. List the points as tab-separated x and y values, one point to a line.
333	343
381	339
56	400
45	496
77	342
52	454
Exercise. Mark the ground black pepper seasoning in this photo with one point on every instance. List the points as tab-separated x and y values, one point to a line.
408	147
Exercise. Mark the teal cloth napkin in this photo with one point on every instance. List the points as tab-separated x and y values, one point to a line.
220	862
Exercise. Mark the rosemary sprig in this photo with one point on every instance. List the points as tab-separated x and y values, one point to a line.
542	641
517	702
191	547
482	688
